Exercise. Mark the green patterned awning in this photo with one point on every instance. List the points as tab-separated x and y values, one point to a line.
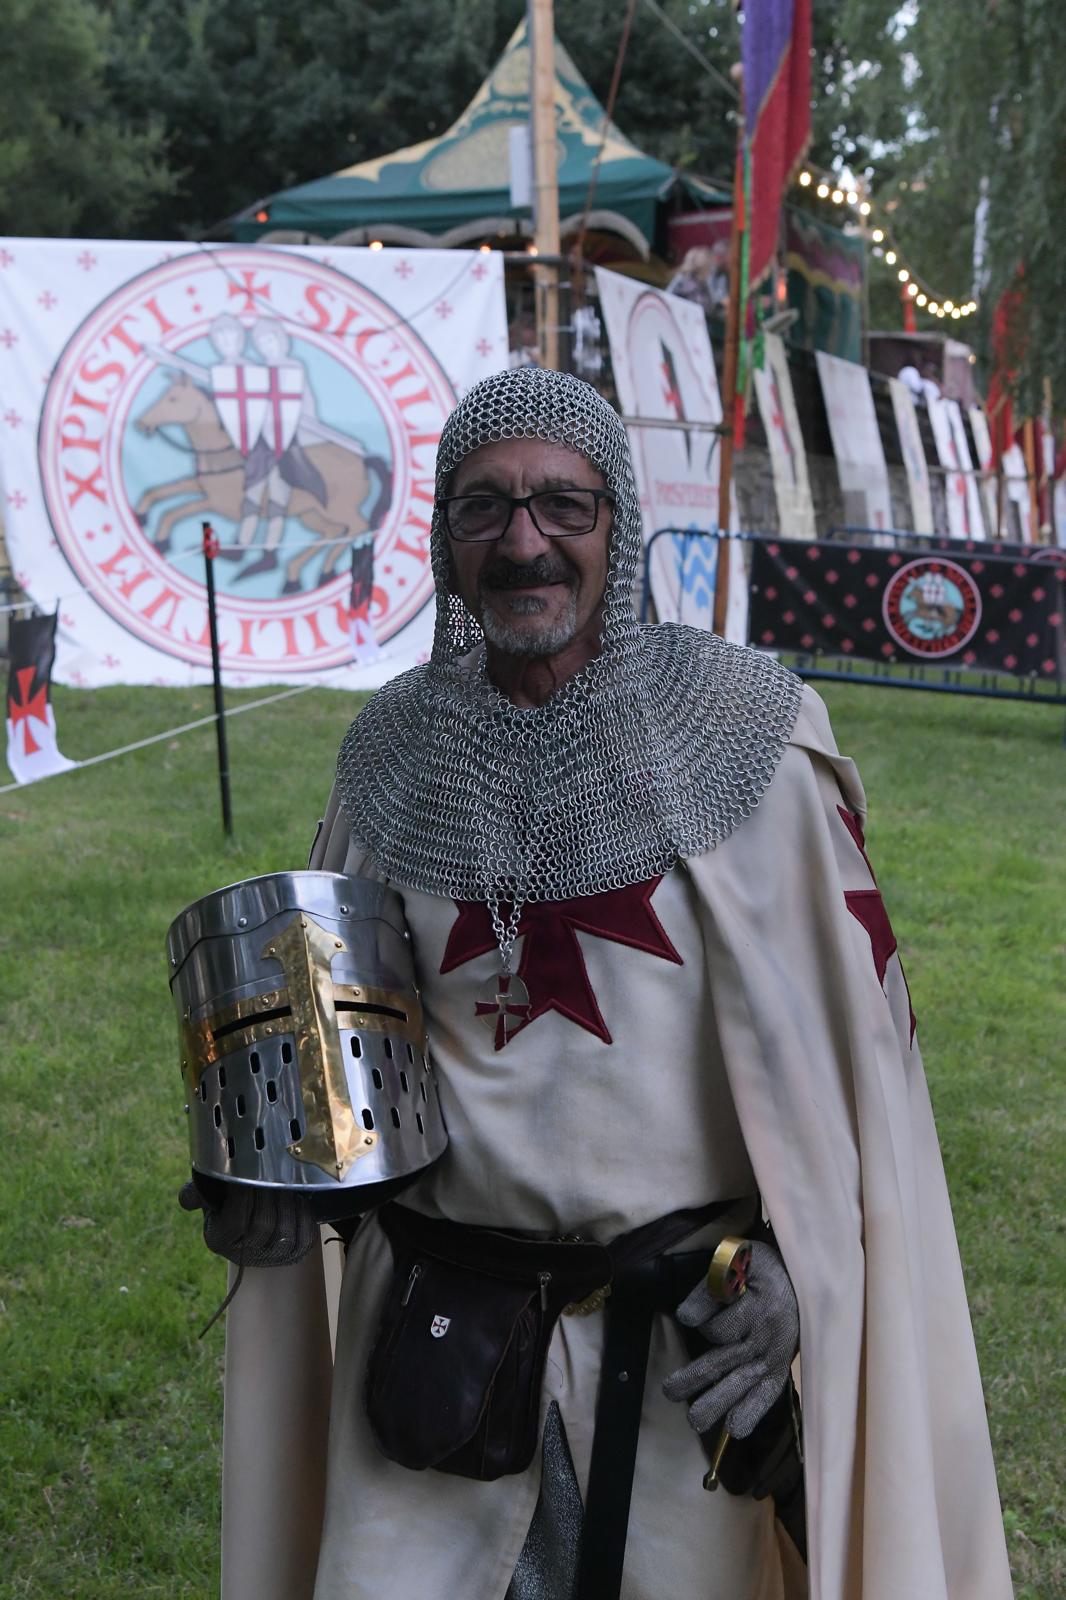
452	184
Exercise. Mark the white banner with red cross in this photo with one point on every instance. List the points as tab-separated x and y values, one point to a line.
664	373
965	516
860	455
784	438
293	398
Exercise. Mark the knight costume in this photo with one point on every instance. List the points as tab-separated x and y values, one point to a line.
658	978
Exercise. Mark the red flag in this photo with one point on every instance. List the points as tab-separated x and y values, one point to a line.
1005	354
777	110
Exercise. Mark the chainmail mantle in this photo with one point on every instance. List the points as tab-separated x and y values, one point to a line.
657	749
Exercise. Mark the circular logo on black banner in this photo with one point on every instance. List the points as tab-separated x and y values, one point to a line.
931	607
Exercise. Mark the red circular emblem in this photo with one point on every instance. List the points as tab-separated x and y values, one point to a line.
931	607
277	399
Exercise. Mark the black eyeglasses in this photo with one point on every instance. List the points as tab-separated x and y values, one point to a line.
556	513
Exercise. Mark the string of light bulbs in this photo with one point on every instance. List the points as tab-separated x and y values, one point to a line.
885	248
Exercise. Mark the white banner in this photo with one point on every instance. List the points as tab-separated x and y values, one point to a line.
292	398
982	439
914	462
1016	485
664	371
788	458
965	518
861	467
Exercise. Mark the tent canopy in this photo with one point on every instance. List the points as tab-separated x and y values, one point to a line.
456	188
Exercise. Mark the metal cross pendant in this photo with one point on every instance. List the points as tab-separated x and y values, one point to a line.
503	1005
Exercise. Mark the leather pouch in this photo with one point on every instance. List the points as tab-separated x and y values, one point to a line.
455	1374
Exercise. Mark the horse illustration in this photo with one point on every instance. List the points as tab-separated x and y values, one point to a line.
217	479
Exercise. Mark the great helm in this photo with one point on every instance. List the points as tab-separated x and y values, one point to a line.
303	1050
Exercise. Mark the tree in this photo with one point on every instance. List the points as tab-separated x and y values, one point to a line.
68	163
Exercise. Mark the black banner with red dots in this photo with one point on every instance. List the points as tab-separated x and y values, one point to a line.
962	609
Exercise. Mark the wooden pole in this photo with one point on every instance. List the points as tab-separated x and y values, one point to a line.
729	385
541	29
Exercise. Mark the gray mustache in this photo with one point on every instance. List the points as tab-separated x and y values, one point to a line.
504	574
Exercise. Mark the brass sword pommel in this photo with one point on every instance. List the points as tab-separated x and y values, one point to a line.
727	1280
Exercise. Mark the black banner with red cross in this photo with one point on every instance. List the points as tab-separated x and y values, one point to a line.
961	609
31	731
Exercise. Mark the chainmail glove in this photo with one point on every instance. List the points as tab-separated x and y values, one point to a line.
251	1227
754	1339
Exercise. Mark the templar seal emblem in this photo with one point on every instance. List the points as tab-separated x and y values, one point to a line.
932	607
283	402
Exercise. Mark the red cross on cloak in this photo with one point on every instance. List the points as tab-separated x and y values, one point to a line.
27	706
552	965
867	907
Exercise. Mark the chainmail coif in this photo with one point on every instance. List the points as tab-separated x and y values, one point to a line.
657	749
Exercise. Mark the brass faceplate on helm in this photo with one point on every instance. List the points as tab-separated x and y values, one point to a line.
332	1138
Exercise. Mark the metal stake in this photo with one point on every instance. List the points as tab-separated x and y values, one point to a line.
210	551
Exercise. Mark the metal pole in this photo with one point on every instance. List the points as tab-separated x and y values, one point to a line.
210	551
541	29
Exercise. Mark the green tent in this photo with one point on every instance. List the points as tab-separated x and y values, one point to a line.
456	189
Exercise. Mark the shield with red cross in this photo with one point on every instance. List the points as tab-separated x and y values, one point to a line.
241	393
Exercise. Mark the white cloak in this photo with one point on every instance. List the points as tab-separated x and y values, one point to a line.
814	1037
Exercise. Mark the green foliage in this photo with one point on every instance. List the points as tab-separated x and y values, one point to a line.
68	163
111	1412
964	106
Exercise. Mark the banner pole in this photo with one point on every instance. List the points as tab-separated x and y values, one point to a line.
729	384
541	26
210	551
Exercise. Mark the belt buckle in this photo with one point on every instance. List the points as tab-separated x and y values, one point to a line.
591	1303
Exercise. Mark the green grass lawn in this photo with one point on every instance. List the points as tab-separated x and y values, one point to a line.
110	1405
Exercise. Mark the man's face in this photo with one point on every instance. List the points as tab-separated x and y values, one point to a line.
532	595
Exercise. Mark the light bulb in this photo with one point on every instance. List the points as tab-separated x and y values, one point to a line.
838	196
934	308
376	244
853	198
865	208
805	180
822	191
877	235
903	275
956	314
949	305
923	299
912	288
890	257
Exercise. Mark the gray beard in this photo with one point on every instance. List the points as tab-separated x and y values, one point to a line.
523	633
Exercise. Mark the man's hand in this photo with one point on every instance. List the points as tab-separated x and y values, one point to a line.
754	1339
249	1226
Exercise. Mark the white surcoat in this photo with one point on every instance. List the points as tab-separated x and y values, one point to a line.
777	1054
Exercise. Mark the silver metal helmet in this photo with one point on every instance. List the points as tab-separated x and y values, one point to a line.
303	1050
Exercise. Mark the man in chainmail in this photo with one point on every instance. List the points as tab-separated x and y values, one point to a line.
664	1004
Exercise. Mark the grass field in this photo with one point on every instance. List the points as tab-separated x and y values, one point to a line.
110	1405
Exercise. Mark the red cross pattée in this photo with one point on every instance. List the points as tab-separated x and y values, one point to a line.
510	1005
27	706
249	289
552	967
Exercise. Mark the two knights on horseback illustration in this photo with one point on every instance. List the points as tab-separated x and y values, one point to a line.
266	410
